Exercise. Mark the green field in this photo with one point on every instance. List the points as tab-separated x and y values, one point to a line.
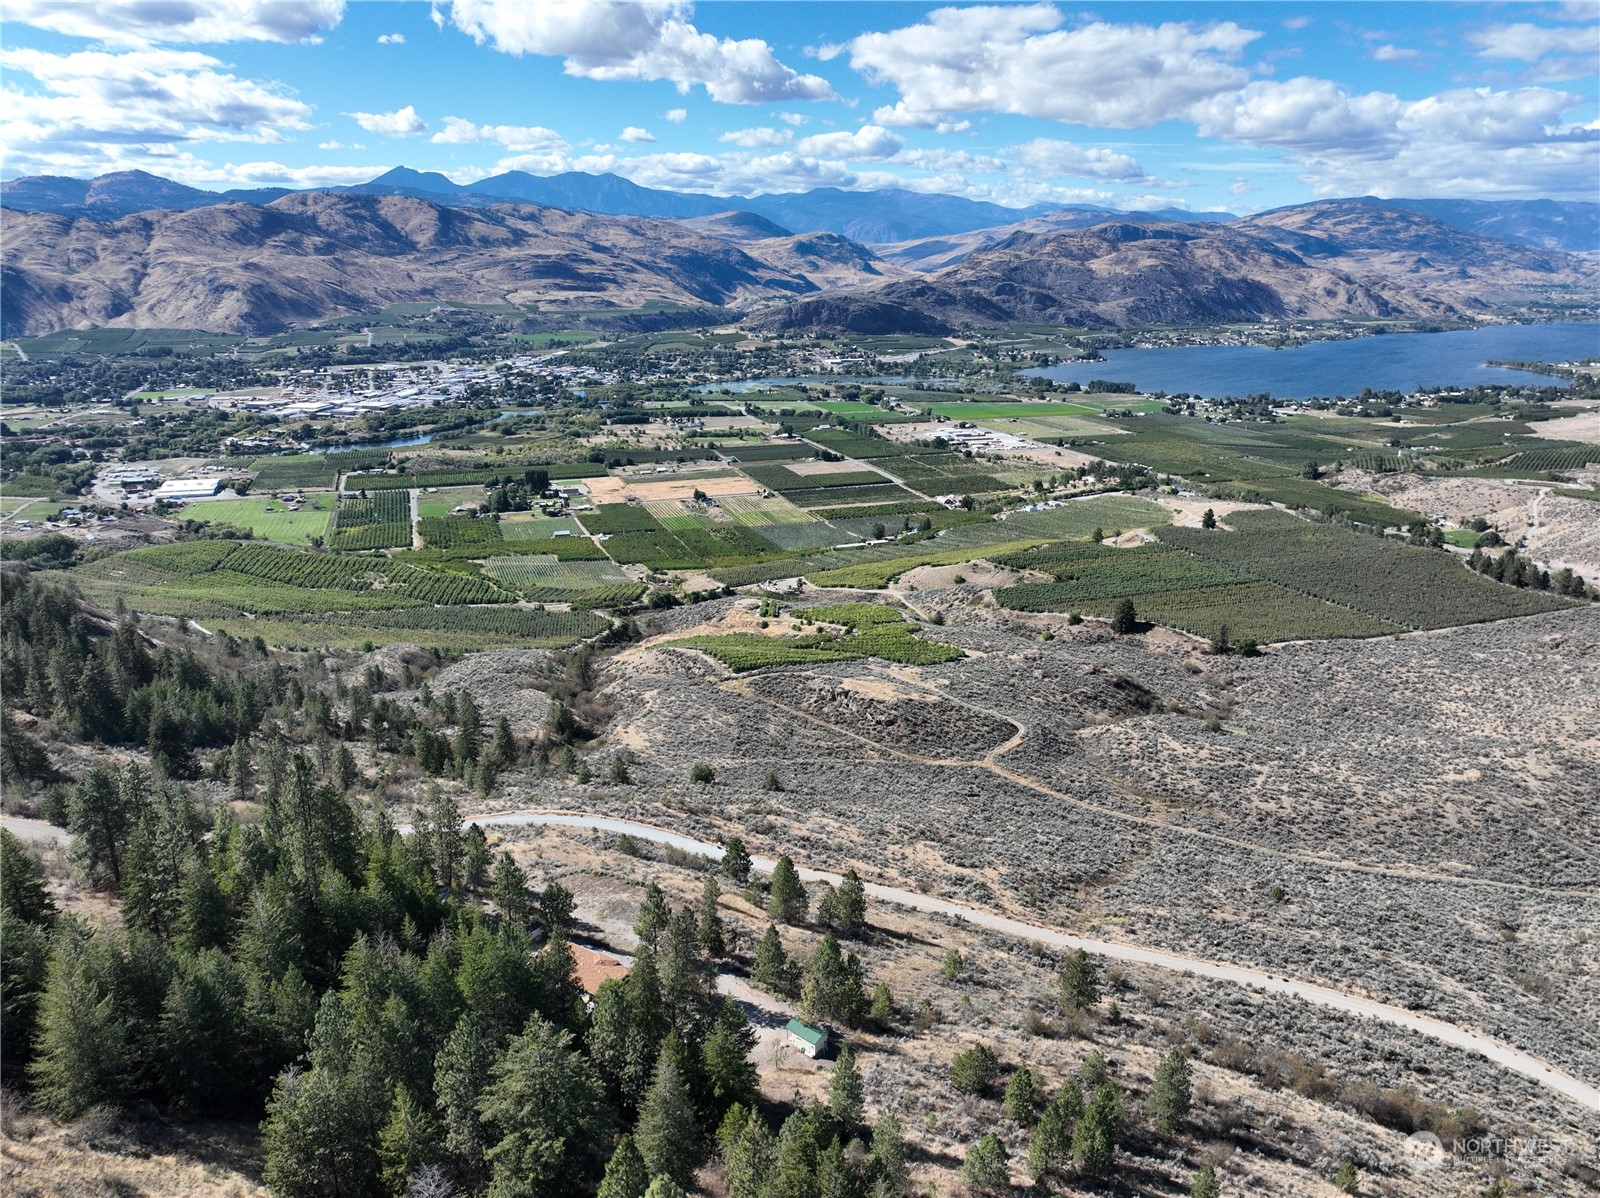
446	499
269	519
1277	577
867	630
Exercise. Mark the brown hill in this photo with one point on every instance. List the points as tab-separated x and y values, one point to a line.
1121	274
243	268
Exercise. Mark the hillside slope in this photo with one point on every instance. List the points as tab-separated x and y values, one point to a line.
243	268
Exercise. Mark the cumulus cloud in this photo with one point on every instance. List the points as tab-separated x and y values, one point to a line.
1053	157
756	138
1018	60
403	122
869	141
634	133
101	109
1467	141
147	23
391	39
455	131
616	40
794	118
675	115
1387	53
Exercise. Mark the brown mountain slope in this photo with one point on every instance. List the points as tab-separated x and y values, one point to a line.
1371	240
309	256
1120	274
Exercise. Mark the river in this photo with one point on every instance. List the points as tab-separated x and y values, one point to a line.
1394	362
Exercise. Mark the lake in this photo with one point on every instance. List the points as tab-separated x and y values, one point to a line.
1394	362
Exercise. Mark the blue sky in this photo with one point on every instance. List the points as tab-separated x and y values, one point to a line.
1137	105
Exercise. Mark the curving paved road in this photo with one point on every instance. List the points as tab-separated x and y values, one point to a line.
1507	1057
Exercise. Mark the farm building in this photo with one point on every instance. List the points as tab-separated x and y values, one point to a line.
813	1041
189	488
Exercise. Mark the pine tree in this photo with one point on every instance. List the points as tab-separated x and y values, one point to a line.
1080	982
664	1187
1022	1091
202	1023
1171	1092
1124	620
241	771
544	1106
889	1156
461	1075
556	905
736	860
713	937
101	815
882	1004
1209	520
850	904
1205	1184
653	914
1094	1140
626	1175
786	902
772	972
974	1070
667	1134
83	1052
833	990
986	1168
794	1164
509	890
1050	1145
409	1142
845	1100
748	1152
475	861
729	1074
23	892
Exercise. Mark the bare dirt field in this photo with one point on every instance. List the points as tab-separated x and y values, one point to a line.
646	488
1582	427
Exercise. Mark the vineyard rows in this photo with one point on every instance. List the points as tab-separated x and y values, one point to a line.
454	532
378	521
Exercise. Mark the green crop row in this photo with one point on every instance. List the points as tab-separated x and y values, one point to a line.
453	532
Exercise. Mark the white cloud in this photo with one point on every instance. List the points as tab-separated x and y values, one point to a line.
403	122
456	131
869	141
1468	141
102	109
275	174
757	138
634	133
794	118
614	40
1018	60
675	115
1066	158
340	145
1549	54
391	39
140	24
1387	53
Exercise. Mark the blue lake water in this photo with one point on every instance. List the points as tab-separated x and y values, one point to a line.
1395	362
401	443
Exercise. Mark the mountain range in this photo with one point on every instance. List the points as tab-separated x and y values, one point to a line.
880	218
260	265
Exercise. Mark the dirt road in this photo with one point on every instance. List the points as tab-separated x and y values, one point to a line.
1507	1057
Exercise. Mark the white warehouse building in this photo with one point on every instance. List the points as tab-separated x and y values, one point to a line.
189	488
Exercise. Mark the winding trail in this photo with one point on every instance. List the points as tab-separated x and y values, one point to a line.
1512	1059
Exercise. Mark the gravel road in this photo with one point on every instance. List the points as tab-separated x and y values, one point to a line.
1507	1057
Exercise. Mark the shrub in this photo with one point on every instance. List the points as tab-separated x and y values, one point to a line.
974	1071
702	773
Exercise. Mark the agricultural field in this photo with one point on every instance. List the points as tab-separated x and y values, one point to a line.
382	521
530	526
542	578
268	518
197	578
445	500
862	630
457	532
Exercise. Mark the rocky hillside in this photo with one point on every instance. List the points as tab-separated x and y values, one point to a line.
1338	259
1119	274
309	256
1374	241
